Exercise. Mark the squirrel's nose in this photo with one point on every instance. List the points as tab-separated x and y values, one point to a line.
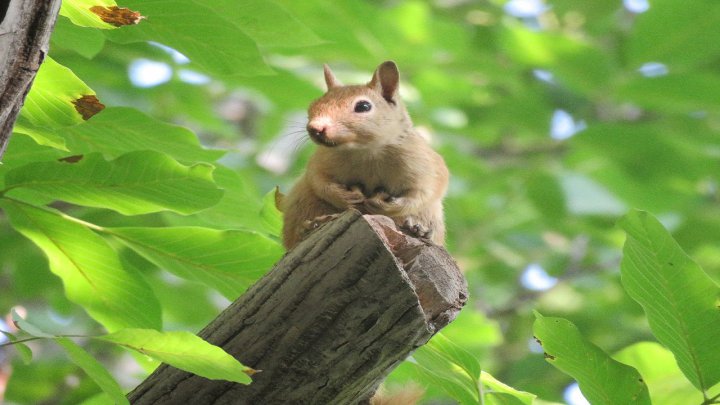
317	129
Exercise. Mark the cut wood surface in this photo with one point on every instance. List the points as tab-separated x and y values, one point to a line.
25	31
328	322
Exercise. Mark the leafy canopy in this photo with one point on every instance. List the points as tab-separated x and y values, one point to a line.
136	191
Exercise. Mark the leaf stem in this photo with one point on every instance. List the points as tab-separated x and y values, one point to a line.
12	342
30	339
62	214
713	400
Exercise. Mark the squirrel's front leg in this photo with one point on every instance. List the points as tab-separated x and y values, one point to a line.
337	194
402	209
383	203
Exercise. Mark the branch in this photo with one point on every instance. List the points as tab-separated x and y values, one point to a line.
24	37
329	321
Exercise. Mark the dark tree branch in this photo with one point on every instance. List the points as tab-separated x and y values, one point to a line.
329	322
24	37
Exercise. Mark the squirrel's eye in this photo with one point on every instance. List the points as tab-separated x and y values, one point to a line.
362	106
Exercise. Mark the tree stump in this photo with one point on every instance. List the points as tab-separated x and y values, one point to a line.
328	322
25	28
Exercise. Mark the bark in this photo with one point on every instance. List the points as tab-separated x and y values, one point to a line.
328	322
25	31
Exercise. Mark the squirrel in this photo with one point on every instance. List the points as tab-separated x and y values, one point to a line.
369	158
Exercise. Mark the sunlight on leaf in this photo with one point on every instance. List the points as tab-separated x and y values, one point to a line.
667	384
184	351
51	100
119	130
28	327
458	372
566	349
679	298
89	268
81	13
135	183
270	215
225	50
93	369
87	42
228	261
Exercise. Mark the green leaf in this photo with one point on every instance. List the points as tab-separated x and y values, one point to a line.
667	384
185	351
679	299
443	363
57	99
508	394
98	399
259	19
78	11
224	50
239	192
271	217
87	42
228	261
687	30
52	99
39	381
135	183
41	135
119	130
93	369
547	195
89	268
683	93
575	62
22	150
497	398
456	355
584	196
28	327
22	349
602	380
434	371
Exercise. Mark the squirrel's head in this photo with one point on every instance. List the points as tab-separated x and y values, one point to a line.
370	114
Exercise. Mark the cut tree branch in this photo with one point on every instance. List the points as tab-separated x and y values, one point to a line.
328	322
25	31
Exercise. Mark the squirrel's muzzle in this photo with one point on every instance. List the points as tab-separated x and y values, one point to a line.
317	129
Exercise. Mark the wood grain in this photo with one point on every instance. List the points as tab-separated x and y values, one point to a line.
328	322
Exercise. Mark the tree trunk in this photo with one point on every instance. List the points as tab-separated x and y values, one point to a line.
25	28
329	322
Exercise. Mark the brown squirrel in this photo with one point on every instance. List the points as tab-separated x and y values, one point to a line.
369	158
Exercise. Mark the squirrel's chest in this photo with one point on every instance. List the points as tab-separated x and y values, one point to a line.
372	173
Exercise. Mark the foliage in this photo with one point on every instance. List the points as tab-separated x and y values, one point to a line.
681	304
179	349
602	379
130	207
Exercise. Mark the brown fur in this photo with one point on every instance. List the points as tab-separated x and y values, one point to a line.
410	394
373	161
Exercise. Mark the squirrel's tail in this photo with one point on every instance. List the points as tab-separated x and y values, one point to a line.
407	395
279	199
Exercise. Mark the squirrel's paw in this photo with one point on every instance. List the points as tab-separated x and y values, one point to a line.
377	206
412	227
354	195
381	202
312	224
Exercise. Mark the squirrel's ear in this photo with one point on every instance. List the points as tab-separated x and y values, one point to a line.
330	79
386	80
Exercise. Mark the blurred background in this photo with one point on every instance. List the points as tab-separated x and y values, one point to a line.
555	118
